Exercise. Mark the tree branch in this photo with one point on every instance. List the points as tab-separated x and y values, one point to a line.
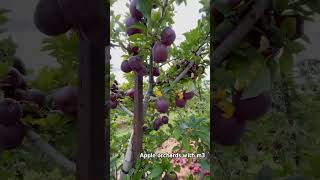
47	149
220	53
185	71
126	110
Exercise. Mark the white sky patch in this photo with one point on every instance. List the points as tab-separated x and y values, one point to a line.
186	18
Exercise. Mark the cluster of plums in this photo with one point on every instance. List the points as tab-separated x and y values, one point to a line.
158	122
116	95
18	98
135	63
159	51
162	104
12	130
228	131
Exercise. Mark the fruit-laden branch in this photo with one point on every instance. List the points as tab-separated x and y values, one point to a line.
220	53
185	71
47	149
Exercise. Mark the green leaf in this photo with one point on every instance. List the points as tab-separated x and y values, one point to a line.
289	26
139	26
286	63
177	133
145	7
155	172
294	47
185	144
265	173
258	85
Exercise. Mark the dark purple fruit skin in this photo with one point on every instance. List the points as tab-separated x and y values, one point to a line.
180	102
14	78
134	11
252	108
66	99
11	136
157	123
131	31
165	119
49	19
136	63
133	50
156	71
162	105
130	93
171	176
168	36
159	52
113	97
113	104
226	132
188	95
125	67
10	112
19	65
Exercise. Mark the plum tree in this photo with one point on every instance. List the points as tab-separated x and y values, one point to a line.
168	36
66	99
251	108
162	105
155	71
170	176
180	101
130	30
48	18
159	52
226	131
11	136
157	123
125	67
134	11
10	112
